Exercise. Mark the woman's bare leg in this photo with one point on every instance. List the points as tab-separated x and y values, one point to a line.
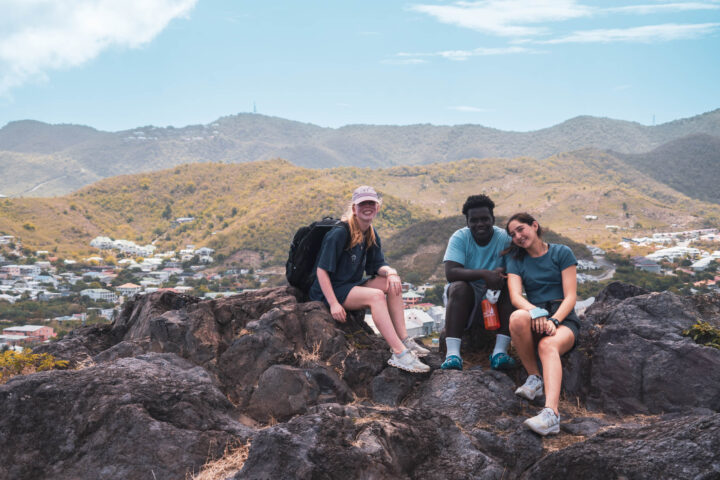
394	305
374	298
550	349
522	338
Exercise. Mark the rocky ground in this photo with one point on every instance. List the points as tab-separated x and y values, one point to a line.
262	386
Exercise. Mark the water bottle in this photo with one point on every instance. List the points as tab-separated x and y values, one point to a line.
490	314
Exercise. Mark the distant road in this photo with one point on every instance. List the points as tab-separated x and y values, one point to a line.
601	260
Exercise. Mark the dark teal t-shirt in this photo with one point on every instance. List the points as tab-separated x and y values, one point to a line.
345	267
542	276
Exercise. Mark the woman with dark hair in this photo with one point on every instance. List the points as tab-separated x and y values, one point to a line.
546	319
344	255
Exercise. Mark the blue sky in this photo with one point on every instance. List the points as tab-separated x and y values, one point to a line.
508	64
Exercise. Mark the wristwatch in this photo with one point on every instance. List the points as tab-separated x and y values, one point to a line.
554	321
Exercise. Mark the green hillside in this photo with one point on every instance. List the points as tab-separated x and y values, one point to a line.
690	165
258	206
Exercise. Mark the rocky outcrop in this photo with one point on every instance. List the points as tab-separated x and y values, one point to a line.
177	380
633	358
682	447
153	416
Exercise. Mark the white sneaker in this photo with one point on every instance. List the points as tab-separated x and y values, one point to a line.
408	361
546	422
531	388
415	348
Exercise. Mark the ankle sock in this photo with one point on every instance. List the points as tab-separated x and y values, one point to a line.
502	342
453	346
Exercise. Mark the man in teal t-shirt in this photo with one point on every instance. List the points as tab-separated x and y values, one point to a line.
473	264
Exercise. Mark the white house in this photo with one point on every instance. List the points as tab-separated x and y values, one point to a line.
437	313
673	253
99	294
204	251
128	289
102	243
418	323
702	264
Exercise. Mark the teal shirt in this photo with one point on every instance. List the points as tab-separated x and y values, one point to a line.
463	249
542	276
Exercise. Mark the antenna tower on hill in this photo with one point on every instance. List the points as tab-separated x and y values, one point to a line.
254	108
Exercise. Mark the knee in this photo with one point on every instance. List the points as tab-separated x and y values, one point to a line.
459	290
547	347
376	297
519	321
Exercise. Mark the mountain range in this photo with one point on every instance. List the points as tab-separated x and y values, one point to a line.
254	208
38	159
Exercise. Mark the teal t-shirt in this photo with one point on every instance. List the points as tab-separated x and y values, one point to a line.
463	249
542	276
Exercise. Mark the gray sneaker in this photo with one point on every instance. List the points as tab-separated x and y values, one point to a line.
408	361
546	422
532	387
419	351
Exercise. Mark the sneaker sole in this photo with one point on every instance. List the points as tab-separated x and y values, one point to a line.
406	368
504	366
417	354
521	393
542	431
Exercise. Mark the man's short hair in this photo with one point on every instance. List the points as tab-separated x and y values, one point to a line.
477	201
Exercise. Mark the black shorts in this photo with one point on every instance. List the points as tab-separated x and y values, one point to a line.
571	321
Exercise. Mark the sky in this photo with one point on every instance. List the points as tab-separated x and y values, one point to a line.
509	64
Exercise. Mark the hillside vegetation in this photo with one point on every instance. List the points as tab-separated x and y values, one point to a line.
83	154
420	248
258	206
690	165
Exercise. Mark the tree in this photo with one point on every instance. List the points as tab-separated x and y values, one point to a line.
167	213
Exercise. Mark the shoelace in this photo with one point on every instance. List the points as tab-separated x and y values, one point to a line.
548	415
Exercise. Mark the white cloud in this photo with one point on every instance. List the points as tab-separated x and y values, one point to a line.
466	108
644	34
37	36
662	8
460	55
507	18
525	19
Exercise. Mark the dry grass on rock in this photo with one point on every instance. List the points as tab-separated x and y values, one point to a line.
230	463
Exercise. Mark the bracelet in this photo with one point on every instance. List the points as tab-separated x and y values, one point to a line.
538	312
555	321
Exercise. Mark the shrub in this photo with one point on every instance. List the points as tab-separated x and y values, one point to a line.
20	363
704	334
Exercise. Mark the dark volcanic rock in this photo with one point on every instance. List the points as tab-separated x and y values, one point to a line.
164	388
686	447
584	426
392	385
336	442
642	363
284	391
470	398
155	416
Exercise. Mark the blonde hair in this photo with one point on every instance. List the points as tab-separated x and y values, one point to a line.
357	236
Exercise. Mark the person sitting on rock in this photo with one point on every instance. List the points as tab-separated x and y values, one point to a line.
340	283
473	264
546	318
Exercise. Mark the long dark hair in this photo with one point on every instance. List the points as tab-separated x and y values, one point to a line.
515	251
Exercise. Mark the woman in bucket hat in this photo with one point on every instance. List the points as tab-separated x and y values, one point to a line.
344	256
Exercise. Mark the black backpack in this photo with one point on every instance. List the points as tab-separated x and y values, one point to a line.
304	249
